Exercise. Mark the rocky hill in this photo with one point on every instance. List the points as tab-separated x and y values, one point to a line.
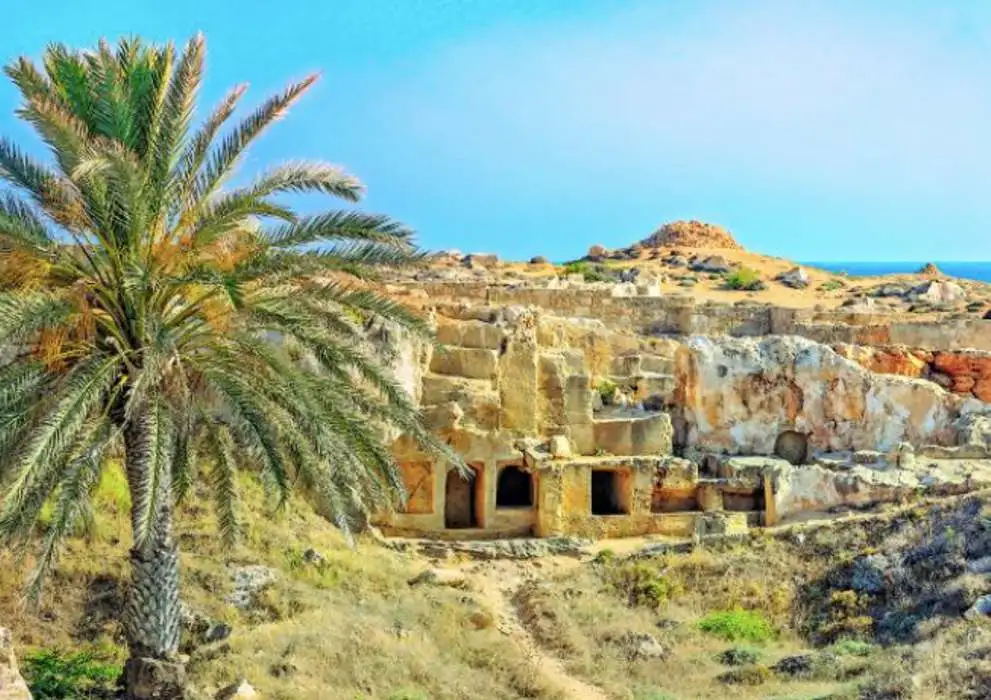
690	234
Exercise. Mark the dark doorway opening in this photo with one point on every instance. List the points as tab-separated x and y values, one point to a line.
459	500
514	488
743	501
792	446
608	492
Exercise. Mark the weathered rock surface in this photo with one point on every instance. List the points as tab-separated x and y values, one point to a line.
937	292
248	582
713	263
960	371
796	278
740	394
242	690
12	685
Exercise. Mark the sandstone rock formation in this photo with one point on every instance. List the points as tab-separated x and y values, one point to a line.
739	394
12	685
690	234
966	372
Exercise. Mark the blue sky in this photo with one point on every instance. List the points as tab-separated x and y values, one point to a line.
834	130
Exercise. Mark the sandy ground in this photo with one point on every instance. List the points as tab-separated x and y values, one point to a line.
651	265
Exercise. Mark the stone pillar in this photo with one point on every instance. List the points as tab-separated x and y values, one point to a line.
770	511
518	377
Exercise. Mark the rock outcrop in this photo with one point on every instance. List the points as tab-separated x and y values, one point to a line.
966	372
12	685
691	234
738	395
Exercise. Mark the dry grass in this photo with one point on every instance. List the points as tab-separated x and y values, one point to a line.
800	586
350	628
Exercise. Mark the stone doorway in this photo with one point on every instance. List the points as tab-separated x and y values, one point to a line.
514	488
610	489
461	509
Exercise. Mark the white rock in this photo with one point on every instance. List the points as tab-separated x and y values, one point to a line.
560	446
937	292
242	690
12	685
742	393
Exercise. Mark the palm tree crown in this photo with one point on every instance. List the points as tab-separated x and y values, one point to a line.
144	304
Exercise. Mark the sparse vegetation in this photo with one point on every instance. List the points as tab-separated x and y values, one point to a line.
744	279
53	674
737	626
592	272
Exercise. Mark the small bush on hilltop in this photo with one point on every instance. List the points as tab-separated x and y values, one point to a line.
744	279
591	272
737	625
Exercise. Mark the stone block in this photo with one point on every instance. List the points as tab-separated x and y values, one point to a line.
474	363
471	334
647	435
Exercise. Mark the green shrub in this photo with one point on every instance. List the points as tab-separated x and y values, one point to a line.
591	272
744	279
737	626
605	556
852	647
52	674
739	656
832	285
747	675
606	389
642	584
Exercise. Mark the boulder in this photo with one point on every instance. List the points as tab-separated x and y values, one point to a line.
597	252
937	292
796	278
242	690
713	263
980	609
248	582
629	274
740	394
480	261
891	289
641	646
860	305
539	260
439	577
560	446
12	685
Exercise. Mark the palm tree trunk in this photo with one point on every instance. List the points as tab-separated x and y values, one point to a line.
152	617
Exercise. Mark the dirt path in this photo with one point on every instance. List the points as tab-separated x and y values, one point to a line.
496	583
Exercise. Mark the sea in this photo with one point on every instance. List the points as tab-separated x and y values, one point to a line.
968	270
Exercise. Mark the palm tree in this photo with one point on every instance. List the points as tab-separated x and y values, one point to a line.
146	310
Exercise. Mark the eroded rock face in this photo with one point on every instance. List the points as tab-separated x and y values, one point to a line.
12	685
740	394
960	371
